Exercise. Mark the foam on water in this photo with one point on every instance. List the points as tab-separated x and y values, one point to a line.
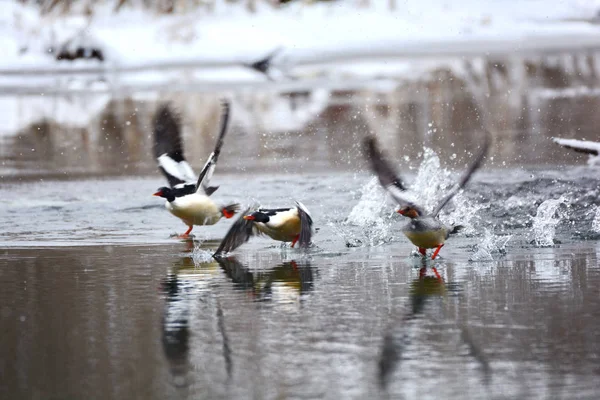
547	217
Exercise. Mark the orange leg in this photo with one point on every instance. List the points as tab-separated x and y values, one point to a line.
422	251
187	233
437	274
435	253
295	240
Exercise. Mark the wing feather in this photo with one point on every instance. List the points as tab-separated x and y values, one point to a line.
477	161
306	223
386	175
168	147
211	163
239	233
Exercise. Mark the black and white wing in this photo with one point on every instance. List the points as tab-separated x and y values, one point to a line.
580	146
168	148
239	233
477	161
306	223
387	177
211	163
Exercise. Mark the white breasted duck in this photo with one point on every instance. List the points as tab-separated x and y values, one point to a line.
424	230
187	196
283	224
581	146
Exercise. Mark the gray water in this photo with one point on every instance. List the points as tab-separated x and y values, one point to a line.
100	300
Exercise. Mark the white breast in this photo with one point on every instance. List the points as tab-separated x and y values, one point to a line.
195	209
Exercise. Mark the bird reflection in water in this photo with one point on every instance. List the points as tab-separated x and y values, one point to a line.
428	285
175	330
190	286
286	282
186	288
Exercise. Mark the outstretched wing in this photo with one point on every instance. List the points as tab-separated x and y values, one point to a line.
467	175
239	233
580	146
168	147
387	177
211	163
306	223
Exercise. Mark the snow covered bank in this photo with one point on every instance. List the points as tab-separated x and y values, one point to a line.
311	35
341	45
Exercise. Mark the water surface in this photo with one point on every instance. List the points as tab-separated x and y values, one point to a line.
99	301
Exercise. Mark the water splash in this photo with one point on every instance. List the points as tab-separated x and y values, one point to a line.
596	221
432	182
489	246
201	256
373	214
547	217
370	214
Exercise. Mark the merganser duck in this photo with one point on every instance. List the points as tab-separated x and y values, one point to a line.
283	224
187	196
581	146
424	230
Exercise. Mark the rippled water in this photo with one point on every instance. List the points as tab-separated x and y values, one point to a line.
98	301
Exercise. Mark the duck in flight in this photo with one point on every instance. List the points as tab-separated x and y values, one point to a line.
424	230
188	197
292	224
581	146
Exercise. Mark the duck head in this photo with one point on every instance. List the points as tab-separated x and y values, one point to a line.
257	217
165	192
409	212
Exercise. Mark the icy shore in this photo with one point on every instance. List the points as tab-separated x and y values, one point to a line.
343	45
